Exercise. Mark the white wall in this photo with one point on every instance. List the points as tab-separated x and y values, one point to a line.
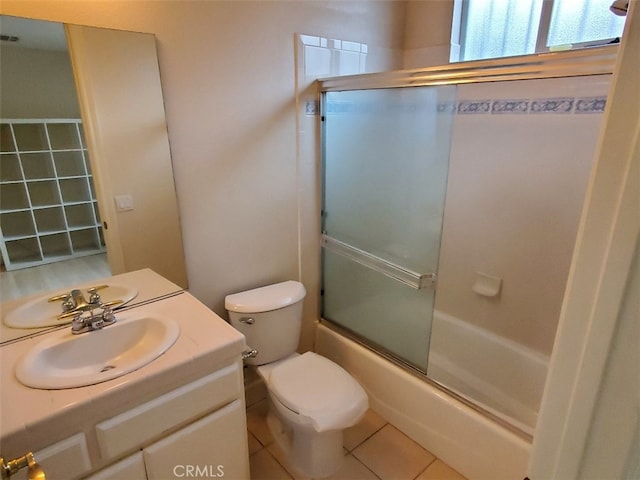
227	71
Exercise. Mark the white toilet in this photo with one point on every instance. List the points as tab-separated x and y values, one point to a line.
314	399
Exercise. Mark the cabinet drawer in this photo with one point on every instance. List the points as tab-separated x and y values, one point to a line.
145	422
68	458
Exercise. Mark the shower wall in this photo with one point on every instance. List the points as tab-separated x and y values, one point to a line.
520	161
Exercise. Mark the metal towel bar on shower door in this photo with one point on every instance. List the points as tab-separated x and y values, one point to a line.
414	280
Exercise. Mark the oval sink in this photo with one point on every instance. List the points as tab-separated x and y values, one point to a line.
40	312
65	360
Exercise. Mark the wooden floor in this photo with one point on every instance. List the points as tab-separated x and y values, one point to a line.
52	276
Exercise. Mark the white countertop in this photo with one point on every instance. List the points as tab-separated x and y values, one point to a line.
31	418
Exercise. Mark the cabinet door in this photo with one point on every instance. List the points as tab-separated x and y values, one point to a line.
214	446
131	468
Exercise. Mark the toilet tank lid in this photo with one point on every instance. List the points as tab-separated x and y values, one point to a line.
265	299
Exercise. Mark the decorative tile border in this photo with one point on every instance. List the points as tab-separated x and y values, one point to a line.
535	106
557	105
447	107
552	105
591	105
474	106
510	106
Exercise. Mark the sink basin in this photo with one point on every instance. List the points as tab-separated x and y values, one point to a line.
65	360
40	312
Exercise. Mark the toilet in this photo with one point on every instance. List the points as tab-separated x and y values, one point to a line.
312	399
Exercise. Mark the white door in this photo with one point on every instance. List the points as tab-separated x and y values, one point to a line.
589	422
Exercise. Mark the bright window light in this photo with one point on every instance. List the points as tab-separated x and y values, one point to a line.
503	28
580	21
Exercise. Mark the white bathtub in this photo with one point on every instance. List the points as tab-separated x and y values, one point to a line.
500	375
474	445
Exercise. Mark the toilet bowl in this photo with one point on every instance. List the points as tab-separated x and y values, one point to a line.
312	399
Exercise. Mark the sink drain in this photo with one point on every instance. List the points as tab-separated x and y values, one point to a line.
107	368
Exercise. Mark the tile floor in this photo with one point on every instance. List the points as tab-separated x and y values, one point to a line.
374	450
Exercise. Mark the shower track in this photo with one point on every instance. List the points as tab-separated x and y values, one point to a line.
583	62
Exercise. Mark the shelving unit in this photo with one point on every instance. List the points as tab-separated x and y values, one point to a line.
48	210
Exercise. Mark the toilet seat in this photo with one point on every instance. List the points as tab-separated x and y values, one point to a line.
317	388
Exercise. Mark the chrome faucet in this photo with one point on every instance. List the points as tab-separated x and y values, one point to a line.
88	320
75	301
87	316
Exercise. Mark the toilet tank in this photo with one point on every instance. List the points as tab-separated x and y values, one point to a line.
270	318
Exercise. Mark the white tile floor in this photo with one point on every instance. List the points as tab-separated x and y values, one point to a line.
374	450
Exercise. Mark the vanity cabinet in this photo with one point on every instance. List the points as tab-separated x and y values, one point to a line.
182	415
197	430
211	438
48	210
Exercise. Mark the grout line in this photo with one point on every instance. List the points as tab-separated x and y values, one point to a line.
283	467
277	462
368	437
365	466
427	467
256	439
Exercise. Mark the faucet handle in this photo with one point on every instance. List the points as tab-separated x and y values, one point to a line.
71	313
68	304
109	304
64	296
78	322
94	296
108	317
96	288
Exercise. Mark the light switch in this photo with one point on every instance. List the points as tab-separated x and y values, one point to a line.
124	202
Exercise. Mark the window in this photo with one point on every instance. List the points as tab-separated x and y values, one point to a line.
502	28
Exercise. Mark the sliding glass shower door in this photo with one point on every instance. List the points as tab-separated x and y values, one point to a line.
386	156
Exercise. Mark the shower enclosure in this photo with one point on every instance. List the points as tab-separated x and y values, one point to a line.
451	201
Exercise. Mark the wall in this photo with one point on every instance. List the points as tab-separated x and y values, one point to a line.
427	33
521	157
37	84
227	73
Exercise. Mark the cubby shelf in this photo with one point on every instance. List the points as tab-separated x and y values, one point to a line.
48	210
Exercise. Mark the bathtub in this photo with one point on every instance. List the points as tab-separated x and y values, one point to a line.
469	441
502	376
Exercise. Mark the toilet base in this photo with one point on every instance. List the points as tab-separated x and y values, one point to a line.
313	454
